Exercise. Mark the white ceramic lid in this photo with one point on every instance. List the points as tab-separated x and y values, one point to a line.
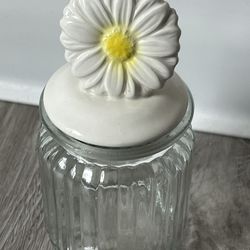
116	122
118	88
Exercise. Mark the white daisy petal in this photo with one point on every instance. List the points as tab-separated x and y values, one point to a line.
123	11
88	62
73	9
114	79
73	45
130	86
171	61
98	89
70	56
69	9
149	20
97	13
143	74
157	66
170	28
79	31
108	4
142	5
164	42
151	46
145	91
95	77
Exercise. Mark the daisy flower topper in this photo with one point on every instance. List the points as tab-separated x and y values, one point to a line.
121	48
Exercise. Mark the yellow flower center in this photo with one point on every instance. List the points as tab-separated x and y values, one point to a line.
118	45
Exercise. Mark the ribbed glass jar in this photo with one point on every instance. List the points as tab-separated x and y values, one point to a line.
98	198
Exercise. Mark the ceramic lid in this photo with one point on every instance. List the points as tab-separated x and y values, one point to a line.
118	88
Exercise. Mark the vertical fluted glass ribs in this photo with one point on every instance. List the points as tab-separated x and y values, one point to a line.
91	206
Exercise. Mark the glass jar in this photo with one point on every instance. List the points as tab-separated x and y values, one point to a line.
98	198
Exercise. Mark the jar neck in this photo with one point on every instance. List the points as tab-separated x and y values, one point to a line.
103	154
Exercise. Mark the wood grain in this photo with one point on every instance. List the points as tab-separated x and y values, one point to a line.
219	216
21	218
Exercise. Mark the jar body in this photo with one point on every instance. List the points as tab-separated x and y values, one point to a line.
138	204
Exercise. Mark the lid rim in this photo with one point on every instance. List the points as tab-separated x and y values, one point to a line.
89	151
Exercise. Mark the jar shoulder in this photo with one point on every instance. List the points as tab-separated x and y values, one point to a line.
171	161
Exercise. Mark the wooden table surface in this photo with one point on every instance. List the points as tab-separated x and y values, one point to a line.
219	211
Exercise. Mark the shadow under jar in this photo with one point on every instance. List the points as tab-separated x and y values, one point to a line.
98	198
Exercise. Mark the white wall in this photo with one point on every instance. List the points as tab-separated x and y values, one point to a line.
214	60
29	47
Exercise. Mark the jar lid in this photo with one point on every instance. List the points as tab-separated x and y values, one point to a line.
119	88
116	122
